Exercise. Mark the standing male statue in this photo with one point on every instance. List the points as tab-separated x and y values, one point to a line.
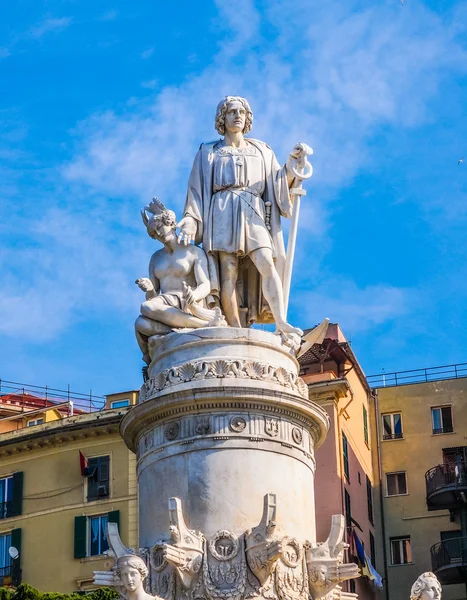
237	192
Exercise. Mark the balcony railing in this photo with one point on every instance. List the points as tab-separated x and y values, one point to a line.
380	380
446	486
5	508
443	430
10	575
393	436
449	560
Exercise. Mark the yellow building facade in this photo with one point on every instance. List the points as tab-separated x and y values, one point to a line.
420	446
62	480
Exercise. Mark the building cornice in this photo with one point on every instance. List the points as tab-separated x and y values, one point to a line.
331	390
61	431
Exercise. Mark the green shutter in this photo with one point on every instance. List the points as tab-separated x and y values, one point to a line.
114	517
16	563
80	537
365	424
16	507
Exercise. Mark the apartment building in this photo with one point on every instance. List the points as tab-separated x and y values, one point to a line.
64	473
421	449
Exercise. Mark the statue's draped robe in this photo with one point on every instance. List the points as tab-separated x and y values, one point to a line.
227	192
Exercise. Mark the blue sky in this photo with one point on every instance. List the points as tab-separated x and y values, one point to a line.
103	105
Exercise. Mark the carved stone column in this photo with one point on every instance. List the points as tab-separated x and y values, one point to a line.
223	420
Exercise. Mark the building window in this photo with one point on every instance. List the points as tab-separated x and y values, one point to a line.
11	495
90	533
120	403
369	499
441	418
401	553
5	559
359	478
348	509
33	422
392	426
6	496
372	549
98	478
352	586
97	541
396	484
345	452
365	425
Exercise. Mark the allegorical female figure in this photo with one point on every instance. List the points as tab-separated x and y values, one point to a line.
237	193
427	587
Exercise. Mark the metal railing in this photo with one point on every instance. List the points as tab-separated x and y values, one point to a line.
5	508
446	429
444	475
449	552
33	397
380	380
393	436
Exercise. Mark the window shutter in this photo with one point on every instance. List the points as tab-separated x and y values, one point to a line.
104	469
114	517
15	509
80	537
16	540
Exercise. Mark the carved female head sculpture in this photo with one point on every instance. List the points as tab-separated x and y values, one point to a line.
132	571
221	111
427	587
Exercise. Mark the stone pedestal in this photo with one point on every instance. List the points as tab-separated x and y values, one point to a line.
223	420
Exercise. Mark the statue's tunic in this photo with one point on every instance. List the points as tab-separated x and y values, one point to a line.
227	191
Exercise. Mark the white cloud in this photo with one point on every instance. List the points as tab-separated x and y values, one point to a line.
49	25
357	309
147	53
151	84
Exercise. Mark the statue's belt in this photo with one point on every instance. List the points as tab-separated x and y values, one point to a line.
239	188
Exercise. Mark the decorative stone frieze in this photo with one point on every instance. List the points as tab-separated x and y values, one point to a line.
222	369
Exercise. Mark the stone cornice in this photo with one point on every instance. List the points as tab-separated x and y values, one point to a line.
249	396
331	390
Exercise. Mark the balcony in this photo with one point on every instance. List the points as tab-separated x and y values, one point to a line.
449	560
10	576
446	486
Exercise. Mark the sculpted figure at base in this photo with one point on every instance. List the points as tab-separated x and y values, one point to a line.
326	568
177	286
130	572
427	587
237	192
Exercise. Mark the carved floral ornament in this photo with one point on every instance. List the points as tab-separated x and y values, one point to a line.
230	369
262	563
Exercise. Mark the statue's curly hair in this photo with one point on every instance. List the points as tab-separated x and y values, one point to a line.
222	109
420	585
132	561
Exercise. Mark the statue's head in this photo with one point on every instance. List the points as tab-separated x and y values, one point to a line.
427	587
132	571
233	114
160	222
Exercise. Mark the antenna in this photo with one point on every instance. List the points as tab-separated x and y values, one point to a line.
13	552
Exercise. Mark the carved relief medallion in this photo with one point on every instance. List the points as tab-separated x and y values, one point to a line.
297	435
202	425
224	545
291	552
172	430
237	424
271	426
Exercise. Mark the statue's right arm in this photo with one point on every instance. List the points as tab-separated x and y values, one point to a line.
155	282
191	225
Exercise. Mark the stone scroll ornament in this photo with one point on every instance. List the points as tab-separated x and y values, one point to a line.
261	563
129	576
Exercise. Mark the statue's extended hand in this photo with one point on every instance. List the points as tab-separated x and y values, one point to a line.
188	227
145	284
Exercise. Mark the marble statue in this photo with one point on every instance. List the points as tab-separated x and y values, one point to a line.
427	587
178	283
130	572
237	193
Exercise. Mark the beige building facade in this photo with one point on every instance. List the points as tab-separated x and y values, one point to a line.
420	445
62	479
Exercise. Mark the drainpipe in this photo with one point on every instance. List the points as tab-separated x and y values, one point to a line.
381	495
